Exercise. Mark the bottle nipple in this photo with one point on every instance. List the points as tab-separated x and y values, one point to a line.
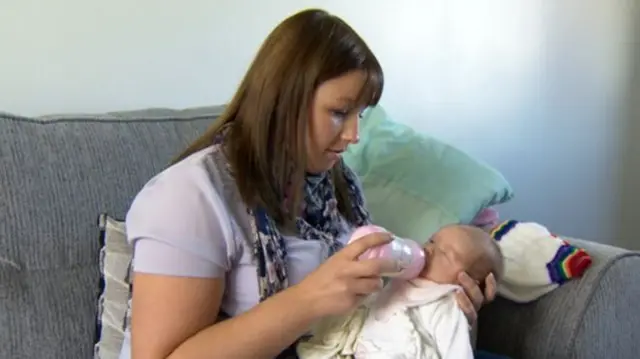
408	255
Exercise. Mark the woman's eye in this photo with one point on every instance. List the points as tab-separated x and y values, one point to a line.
339	115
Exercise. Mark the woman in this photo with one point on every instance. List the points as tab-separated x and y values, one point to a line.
249	222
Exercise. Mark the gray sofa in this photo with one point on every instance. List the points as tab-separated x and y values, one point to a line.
58	173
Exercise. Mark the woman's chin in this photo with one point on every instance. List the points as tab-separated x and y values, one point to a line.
321	166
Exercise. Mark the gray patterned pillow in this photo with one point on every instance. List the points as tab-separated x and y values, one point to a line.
113	304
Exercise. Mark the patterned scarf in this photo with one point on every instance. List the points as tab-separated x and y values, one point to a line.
319	220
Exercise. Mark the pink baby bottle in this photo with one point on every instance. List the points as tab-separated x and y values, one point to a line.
407	253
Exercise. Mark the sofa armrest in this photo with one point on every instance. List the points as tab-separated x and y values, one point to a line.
597	316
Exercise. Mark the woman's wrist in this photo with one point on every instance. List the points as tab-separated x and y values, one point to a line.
302	303
262	332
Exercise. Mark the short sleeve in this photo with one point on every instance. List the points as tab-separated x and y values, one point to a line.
179	225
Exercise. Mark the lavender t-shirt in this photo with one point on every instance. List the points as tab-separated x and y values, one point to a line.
189	221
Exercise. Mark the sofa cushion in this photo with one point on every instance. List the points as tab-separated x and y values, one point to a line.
113	304
57	173
429	182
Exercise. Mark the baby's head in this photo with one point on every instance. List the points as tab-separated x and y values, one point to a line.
461	248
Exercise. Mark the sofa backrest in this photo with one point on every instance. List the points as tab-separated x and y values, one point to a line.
57	174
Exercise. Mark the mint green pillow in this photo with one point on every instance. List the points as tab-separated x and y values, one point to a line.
415	184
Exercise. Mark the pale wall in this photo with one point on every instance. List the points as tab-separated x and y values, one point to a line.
540	91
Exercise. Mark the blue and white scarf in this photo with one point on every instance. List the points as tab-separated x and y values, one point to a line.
319	220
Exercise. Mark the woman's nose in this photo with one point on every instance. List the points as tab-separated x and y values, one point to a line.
350	132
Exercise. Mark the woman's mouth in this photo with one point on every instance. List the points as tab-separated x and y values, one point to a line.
334	155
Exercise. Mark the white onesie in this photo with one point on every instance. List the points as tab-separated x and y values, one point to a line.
415	319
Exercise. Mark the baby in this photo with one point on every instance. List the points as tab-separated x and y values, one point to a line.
418	318
461	248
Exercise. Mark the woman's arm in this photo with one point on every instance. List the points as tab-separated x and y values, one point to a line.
174	318
184	247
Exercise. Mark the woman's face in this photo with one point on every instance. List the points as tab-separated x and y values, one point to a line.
334	120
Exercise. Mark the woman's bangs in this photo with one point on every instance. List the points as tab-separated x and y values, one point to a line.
371	91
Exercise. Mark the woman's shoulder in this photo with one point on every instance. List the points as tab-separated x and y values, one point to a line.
188	189
180	215
185	179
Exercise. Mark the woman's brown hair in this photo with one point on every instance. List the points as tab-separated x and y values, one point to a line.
266	121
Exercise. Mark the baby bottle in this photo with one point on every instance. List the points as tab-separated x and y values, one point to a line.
408	254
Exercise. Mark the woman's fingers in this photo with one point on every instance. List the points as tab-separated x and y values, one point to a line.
471	298
356	248
472	290
467	307
363	286
490	288
370	268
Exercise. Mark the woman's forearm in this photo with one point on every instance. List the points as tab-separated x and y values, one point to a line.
262	332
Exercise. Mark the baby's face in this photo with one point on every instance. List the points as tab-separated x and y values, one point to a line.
449	252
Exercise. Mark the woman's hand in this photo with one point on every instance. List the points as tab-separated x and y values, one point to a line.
471	299
343	281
